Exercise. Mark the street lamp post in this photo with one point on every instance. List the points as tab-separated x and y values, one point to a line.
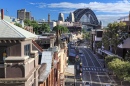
76	66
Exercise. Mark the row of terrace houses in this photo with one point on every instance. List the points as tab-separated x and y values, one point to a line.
24	63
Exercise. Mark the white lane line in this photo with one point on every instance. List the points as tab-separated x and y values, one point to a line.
105	72
95	58
88	71
94	66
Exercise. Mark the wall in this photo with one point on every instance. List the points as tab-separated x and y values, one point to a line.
14	50
25	43
14	71
21	84
29	66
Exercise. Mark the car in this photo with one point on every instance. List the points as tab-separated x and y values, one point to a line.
80	52
87	84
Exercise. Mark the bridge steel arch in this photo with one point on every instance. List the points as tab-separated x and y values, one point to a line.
80	12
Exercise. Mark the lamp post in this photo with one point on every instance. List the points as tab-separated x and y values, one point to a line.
76	67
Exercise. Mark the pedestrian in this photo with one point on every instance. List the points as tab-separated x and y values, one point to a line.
4	55
104	65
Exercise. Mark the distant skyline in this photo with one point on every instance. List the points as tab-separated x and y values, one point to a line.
106	11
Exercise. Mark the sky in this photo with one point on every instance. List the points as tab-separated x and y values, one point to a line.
106	10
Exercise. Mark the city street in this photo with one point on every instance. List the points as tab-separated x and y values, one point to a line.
93	71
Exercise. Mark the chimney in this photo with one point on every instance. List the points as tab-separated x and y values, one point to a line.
2	14
48	18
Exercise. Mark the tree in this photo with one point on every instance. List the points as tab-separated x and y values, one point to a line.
59	30
35	26
83	30
127	56
115	33
45	28
17	24
27	22
120	68
110	59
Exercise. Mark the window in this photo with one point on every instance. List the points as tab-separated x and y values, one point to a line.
99	33
27	50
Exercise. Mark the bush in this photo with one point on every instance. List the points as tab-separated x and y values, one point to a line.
110	58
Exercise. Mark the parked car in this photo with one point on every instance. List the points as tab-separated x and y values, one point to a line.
87	84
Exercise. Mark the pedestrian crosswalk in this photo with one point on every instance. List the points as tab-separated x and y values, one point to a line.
94	69
82	47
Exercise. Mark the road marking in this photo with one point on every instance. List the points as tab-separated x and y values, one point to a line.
101	66
95	58
89	72
94	69
94	65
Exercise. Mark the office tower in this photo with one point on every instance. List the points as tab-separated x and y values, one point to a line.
22	14
61	17
71	17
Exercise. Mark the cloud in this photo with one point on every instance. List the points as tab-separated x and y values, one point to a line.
39	5
114	9
117	7
110	18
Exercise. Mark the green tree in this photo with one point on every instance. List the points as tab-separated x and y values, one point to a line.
45	28
115	34
127	56
110	59
27	22
83	30
59	30
17	24
120	68
35	26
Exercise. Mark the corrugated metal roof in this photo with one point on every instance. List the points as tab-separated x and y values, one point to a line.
8	30
46	58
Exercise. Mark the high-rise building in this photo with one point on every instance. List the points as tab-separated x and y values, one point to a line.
71	17
61	17
22	14
28	15
32	18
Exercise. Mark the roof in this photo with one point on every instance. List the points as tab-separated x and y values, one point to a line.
46	58
37	46
126	44
8	30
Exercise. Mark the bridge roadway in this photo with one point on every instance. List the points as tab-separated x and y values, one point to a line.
93	71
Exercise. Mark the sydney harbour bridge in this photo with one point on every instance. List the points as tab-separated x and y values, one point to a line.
87	18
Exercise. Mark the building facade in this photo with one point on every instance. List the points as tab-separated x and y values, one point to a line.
54	73
18	62
22	14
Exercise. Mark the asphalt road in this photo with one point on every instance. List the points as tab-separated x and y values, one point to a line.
93	71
